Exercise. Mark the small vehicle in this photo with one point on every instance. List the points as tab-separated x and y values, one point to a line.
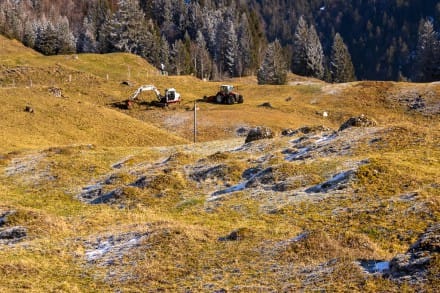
225	95
171	96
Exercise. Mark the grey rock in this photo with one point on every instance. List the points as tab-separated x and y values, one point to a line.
13	233
110	196
259	133
360	121
413	265
4	217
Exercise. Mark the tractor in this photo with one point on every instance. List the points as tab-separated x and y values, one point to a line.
225	95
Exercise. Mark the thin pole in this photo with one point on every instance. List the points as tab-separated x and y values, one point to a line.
195	121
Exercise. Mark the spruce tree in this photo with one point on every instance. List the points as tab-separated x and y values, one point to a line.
299	62
308	55
125	31
230	48
427	68
203	62
314	55
244	46
164	54
273	69
341	67
46	38
66	42
180	58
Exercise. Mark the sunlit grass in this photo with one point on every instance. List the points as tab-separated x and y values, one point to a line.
80	139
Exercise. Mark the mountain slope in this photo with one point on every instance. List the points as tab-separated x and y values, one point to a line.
68	98
99	198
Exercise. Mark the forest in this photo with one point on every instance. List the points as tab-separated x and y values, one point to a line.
332	40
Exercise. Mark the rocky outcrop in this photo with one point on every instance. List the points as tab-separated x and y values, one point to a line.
13	233
305	130
259	133
360	121
4	216
10	235
237	235
95	194
414	264
337	182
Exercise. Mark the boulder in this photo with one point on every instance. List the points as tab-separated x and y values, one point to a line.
305	130
259	133
360	121
237	235
413	265
29	109
56	92
242	131
13	233
4	216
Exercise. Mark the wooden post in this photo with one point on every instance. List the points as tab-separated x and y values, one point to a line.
195	121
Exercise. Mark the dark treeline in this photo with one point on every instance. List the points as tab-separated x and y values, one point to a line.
333	40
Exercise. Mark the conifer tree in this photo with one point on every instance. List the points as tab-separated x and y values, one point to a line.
125	31
87	41
244	46
29	36
51	38
230	48
202	60
164	53
299	62
181	58
66	43
308	55
46	38
314	55
427	61
273	69
341	67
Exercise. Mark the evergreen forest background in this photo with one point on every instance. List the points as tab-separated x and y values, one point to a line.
332	40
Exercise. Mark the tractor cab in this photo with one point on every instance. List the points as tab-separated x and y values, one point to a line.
226	89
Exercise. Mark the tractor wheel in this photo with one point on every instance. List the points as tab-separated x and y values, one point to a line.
219	99
229	100
240	99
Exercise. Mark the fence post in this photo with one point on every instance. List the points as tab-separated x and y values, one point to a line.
195	121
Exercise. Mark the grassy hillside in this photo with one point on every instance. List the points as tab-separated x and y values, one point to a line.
112	199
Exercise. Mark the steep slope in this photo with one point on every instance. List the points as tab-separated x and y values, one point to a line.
65	97
64	121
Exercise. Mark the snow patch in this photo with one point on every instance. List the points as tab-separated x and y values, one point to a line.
298	155
112	248
374	266
382	266
336	182
231	189
238	187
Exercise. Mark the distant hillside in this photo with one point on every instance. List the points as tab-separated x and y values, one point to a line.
381	35
79	115
218	39
307	186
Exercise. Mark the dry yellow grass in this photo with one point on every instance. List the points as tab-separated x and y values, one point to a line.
79	140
